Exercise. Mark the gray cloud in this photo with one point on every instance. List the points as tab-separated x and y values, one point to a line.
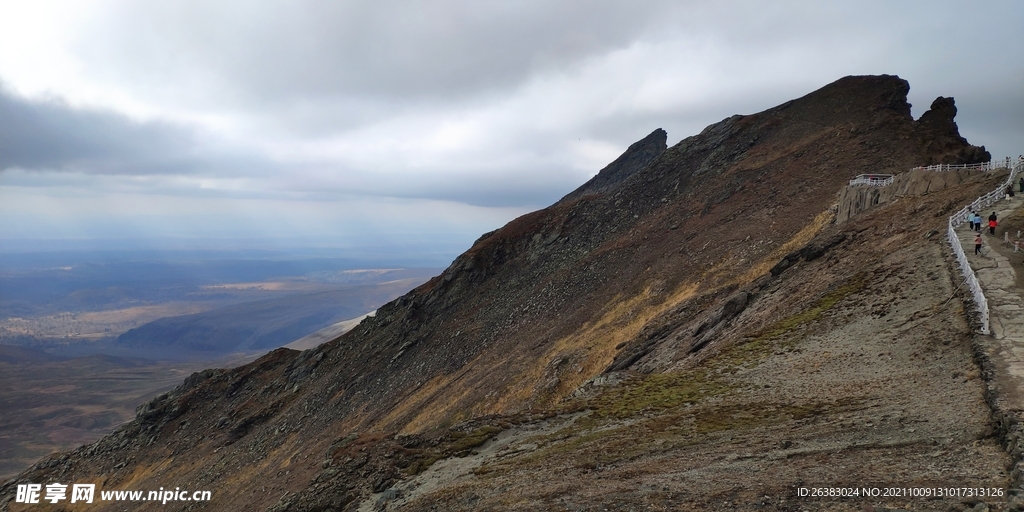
400	50
51	135
305	69
534	187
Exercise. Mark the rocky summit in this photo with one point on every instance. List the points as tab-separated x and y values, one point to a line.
692	329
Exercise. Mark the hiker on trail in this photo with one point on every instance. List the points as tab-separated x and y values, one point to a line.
992	224
1022	184
976	222
1009	191
977	244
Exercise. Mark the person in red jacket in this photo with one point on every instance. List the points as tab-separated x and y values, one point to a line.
992	224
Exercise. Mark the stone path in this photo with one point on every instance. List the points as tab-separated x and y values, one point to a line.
1005	301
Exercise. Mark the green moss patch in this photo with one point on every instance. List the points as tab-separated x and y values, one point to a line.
756	347
455	444
655	392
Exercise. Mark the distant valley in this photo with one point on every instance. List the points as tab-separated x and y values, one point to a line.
78	306
259	325
52	403
83	343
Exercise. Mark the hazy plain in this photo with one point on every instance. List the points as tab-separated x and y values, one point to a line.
78	303
66	379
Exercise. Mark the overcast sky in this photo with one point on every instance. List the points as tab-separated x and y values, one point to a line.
342	124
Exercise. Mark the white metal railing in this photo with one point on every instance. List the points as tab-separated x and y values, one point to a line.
985	166
969	277
1012	243
959	218
877	180
882	180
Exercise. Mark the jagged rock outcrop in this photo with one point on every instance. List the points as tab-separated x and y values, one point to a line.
937	124
618	274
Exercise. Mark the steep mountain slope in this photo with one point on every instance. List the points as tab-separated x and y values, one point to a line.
701	266
852	370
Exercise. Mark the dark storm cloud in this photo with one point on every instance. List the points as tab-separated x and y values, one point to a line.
51	135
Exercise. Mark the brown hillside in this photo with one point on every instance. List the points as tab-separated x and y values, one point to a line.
676	279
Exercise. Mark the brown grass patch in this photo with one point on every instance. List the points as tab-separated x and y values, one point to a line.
799	240
592	347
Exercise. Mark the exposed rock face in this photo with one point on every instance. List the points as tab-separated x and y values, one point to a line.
938	124
855	199
618	275
939	117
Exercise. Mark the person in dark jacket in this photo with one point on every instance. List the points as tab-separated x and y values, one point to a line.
992	223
